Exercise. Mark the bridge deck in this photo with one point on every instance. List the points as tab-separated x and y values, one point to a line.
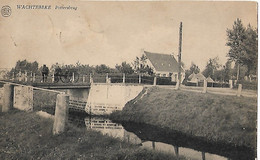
62	86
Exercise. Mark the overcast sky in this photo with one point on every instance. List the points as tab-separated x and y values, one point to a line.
112	32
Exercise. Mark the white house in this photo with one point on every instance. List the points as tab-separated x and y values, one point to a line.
164	65
195	78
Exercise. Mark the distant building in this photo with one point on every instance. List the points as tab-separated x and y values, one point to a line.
199	77
164	65
210	80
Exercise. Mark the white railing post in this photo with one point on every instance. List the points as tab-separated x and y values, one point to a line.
123	77
239	90
31	76
73	77
52	78
154	80
204	86
34	77
83	78
25	76
139	79
107	78
90	78
230	84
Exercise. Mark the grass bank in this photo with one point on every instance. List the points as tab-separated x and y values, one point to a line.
216	118
29	136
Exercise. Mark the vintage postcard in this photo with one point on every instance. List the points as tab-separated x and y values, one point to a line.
128	79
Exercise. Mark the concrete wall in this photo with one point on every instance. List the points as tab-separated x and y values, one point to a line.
76	94
106	98
23	98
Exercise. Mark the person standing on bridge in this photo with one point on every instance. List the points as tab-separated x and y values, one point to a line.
57	73
45	72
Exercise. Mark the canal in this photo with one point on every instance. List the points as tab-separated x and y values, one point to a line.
163	140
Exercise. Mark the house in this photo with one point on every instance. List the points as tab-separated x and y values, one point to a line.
164	65
210	80
196	77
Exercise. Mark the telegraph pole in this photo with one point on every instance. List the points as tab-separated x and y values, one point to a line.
179	57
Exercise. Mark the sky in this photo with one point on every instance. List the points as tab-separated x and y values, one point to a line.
112	32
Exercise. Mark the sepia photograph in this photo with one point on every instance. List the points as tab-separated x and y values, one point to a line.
128	80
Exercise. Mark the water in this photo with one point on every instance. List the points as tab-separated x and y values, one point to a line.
162	140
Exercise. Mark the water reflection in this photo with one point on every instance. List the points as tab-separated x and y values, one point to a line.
153	138
107	127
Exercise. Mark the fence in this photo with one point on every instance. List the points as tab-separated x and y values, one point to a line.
246	84
30	78
209	84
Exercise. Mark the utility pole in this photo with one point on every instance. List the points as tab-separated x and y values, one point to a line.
179	57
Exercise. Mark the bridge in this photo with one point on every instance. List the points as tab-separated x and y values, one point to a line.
62	85
81	80
94	98
103	94
99	94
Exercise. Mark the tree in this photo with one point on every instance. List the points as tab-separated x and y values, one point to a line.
193	69
25	65
212	65
103	69
227	75
243	46
124	68
250	44
236	37
140	65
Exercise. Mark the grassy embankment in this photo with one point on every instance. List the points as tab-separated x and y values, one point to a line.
216	118
29	136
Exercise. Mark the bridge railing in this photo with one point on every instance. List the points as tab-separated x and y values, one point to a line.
27	77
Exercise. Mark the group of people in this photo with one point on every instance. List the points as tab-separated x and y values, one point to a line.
45	72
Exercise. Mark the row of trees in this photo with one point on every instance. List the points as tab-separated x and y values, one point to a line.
214	70
218	72
138	66
242	42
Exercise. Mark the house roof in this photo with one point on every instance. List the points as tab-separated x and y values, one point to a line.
193	75
163	62
198	76
209	79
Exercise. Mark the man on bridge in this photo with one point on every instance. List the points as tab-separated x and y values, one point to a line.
45	72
